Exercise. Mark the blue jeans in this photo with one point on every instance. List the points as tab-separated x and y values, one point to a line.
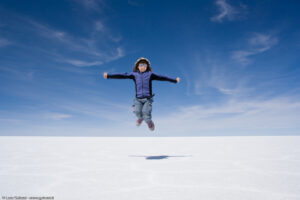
142	108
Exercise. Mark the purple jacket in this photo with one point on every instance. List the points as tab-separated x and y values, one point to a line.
143	81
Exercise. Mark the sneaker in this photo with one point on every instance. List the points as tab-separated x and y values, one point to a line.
139	121
151	126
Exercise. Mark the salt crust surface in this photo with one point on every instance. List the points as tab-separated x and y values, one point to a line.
114	168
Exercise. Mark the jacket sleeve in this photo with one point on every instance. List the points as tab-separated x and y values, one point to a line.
162	78
120	76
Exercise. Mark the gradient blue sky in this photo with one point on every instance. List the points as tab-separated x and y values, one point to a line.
238	60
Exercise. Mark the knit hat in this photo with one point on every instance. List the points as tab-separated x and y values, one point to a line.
142	59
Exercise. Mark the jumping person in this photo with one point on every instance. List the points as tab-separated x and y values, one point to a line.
142	76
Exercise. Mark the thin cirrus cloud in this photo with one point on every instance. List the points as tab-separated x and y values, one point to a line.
257	44
117	53
80	63
243	109
254	115
56	116
4	42
90	4
217	78
88	46
99	26
100	45
25	75
220	79
226	11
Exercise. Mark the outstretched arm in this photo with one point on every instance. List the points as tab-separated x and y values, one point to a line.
164	78
118	76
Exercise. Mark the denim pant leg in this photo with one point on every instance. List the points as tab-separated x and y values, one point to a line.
137	108
147	109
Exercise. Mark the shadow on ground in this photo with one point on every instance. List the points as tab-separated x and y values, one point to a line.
159	157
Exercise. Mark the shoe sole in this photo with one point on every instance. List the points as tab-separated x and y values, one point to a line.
138	124
152	128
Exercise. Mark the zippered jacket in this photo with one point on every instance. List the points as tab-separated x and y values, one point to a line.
143	81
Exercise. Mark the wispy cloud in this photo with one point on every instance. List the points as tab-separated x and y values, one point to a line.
99	26
96	53
212	76
257	44
24	74
99	109
236	105
134	3
262	42
235	116
4	42
99	45
99	113
222	80
229	12
100	29
56	116
116	54
90	4
80	63
226	11
119	53
58	36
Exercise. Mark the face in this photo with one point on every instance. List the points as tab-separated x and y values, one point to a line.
142	67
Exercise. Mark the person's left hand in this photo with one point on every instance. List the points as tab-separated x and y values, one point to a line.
178	79
105	75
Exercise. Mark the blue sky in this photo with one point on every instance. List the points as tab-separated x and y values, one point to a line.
238	60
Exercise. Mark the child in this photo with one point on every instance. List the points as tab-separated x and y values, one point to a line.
142	76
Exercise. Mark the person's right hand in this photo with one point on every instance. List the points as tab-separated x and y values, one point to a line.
105	75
